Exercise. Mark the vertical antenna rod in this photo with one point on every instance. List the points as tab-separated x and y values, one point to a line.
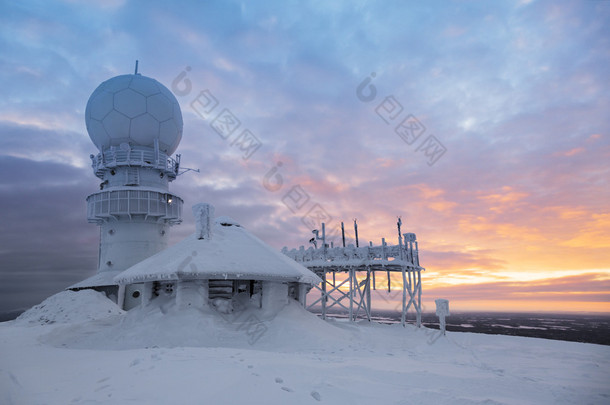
356	231
136	72
398	224
343	234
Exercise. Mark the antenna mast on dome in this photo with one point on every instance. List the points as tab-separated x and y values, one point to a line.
136	72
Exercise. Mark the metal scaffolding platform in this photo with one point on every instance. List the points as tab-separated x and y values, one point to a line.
359	265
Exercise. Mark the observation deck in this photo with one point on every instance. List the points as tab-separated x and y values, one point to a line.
357	266
136	156
384	257
159	206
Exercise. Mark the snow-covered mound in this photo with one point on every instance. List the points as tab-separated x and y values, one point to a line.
250	356
162	324
71	307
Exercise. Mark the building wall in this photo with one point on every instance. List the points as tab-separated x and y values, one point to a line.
195	293
124	244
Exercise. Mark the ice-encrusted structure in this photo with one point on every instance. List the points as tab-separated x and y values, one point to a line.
442	310
222	264
357	266
136	124
204	217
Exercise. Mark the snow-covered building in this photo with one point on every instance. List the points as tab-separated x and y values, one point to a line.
136	124
221	264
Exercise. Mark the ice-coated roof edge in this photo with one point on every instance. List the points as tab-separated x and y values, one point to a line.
102	279
205	276
231	252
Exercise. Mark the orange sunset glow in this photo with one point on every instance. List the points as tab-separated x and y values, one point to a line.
501	250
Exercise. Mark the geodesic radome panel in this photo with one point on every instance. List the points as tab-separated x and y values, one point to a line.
134	109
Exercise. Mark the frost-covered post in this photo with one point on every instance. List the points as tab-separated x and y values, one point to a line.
303	290
121	297
146	293
275	296
442	310
192	293
204	217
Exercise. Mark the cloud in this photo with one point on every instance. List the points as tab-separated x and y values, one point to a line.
46	242
592	287
448	262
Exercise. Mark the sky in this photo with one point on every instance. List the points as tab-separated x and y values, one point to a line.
483	125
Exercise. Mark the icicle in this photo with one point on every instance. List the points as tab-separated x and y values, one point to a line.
204	218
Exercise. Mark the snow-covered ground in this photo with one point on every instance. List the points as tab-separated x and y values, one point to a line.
80	348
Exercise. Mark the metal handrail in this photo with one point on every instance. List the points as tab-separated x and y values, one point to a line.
144	157
114	203
351	253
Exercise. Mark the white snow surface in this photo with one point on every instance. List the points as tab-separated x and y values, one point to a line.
159	355
231	252
70	307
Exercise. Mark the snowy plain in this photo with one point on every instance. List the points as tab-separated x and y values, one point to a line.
80	348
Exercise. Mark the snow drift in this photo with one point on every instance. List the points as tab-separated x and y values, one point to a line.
71	307
66	351
163	324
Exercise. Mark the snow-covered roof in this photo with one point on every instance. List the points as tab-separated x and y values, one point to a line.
105	278
230	253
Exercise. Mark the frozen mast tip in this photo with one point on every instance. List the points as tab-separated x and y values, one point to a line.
204	219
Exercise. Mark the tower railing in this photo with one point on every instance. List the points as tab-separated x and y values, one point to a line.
105	205
351	254
137	156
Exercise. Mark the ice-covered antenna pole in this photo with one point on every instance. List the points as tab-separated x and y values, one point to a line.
398	224
383	250
136	71
204	219
323	238
343	234
356	231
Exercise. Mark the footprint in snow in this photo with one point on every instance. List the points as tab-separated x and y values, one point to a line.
14	379
287	389
316	395
279	380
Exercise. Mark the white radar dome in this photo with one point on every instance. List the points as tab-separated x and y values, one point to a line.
134	109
